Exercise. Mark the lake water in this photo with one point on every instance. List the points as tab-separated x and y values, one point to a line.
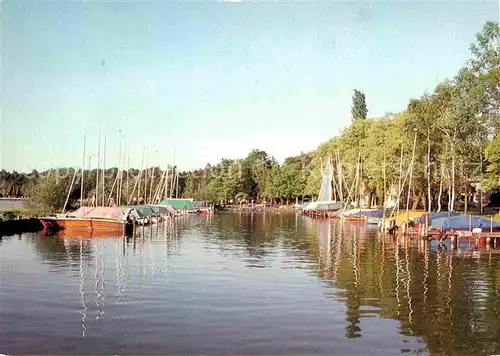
247	284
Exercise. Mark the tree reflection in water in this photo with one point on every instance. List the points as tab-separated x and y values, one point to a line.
448	299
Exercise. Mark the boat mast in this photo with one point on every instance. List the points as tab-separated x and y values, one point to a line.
128	169
162	191
137	179
140	173
400	173
152	180
166	184
481	188
411	174
384	188
121	171
98	162
104	173
159	189
429	197
83	164
357	195
351	192
177	185
333	181
118	172
173	175
113	187
323	171
146	177
339	172
69	191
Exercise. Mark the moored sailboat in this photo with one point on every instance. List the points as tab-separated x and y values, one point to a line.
96	219
324	206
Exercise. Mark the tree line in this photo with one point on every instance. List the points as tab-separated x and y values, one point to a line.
448	138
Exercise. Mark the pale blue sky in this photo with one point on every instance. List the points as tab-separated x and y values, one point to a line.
214	79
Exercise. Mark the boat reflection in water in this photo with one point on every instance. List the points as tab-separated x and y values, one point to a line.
87	234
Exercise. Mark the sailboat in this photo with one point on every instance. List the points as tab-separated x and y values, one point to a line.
325	206
110	219
114	219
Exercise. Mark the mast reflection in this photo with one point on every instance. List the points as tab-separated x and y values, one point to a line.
411	281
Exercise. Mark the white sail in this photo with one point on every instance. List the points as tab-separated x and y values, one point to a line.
325	192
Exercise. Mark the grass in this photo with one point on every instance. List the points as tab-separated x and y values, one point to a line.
16	210
11	208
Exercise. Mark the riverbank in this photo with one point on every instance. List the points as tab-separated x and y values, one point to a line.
249	208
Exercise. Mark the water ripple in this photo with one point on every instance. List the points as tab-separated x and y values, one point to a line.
248	284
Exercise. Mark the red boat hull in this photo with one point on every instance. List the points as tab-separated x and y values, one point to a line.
86	224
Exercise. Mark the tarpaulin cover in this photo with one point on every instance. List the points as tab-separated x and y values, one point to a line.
159	209
144	210
373	213
167	208
446	214
101	212
178	204
461	222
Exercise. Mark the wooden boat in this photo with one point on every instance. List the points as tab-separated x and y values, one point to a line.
112	219
323	208
89	224
369	216
360	219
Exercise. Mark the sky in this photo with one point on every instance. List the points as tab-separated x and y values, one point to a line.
193	82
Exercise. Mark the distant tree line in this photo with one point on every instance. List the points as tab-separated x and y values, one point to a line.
449	137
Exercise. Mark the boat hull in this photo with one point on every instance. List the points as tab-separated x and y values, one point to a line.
86	224
330	213
358	219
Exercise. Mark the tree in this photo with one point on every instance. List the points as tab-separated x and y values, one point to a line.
358	109
48	194
486	51
258	163
492	155
485	65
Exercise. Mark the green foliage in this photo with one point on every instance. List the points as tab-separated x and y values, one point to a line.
485	65
12	184
358	109
486	49
48	194
492	155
